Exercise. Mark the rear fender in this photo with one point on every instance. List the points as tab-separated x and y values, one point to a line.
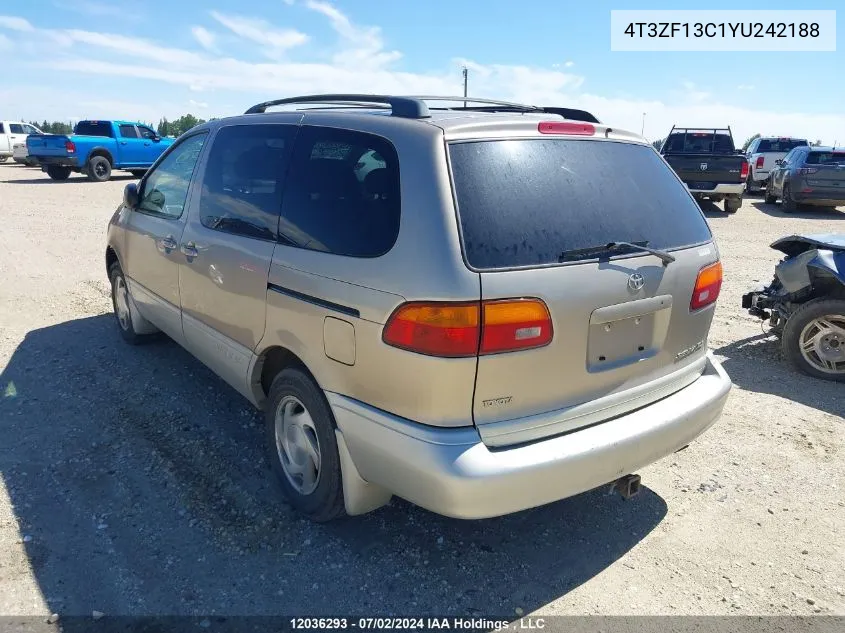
827	267
99	151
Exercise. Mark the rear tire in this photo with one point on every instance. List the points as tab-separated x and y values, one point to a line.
3	159
787	204
732	205
58	173
300	426
99	169
810	346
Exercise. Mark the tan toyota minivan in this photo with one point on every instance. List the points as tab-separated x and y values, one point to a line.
480	307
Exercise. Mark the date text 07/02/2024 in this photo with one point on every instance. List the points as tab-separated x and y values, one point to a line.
421	624
722	29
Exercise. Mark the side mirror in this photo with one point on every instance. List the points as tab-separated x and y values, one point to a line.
156	139
779	162
131	196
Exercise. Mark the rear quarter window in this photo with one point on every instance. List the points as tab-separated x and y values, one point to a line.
521	203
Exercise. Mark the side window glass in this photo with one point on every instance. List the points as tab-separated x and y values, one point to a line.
146	132
342	194
243	180
166	187
128	131
2	129
16	128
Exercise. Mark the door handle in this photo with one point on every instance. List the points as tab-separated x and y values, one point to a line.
146	144
189	250
167	243
123	142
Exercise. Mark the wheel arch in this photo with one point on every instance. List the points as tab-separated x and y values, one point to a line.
267	365
100	151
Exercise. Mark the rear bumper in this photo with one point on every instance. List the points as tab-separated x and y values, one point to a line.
821	197
57	161
452	472
721	189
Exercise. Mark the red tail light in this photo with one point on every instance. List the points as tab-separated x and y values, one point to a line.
467	329
556	127
743	174
760	161
707	286
70	147
514	324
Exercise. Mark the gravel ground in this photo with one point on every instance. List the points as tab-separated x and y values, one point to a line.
133	480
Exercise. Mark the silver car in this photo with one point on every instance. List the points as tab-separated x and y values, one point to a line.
508	309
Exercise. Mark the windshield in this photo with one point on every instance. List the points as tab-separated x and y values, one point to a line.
524	202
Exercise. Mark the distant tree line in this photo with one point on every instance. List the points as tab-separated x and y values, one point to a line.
179	126
56	127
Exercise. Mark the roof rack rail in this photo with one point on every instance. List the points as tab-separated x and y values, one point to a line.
405	107
493	105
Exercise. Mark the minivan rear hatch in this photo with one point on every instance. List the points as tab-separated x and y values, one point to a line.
534	216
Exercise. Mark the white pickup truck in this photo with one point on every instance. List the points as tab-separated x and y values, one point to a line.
762	154
13	133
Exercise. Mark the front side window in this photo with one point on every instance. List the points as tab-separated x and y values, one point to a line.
165	188
28	129
146	132
242	184
343	193
128	131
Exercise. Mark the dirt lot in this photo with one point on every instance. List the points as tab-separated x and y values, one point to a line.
133	480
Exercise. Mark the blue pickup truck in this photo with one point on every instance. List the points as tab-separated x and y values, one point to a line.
96	148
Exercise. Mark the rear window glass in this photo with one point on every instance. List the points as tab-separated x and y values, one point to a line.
93	128
525	202
825	158
779	145
699	143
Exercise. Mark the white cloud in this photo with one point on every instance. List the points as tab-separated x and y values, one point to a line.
745	87
289	2
261	32
569	64
361	47
205	37
198	104
363	62
5	43
15	23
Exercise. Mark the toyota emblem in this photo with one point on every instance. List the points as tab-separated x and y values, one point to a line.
636	282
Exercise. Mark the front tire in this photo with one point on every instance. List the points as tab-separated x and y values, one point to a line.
58	173
814	339
302	447
770	198
3	159
122	304
99	169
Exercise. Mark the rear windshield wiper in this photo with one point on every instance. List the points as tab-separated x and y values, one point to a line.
610	247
